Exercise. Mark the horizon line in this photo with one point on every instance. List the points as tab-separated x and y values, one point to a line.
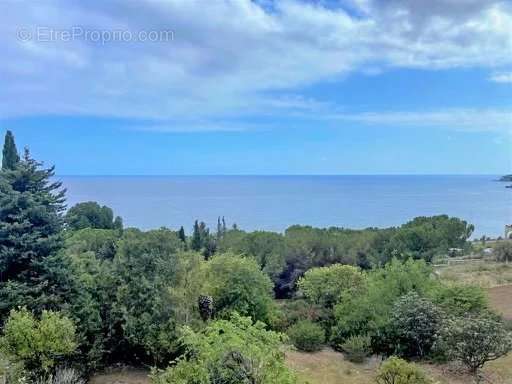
276	174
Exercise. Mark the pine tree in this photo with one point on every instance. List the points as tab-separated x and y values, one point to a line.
31	206
10	155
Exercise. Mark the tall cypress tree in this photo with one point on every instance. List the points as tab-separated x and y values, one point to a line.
10	155
31	206
196	242
181	234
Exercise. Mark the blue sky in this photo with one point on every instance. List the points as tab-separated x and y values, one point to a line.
288	87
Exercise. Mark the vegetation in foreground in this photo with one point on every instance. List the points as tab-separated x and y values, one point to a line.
79	292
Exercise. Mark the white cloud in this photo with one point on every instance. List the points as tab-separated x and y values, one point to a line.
501	77
228	57
456	119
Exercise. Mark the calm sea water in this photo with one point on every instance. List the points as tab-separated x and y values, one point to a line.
276	202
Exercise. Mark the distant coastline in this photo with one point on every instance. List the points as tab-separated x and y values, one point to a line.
506	178
257	202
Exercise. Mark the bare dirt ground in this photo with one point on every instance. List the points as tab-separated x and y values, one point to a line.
500	299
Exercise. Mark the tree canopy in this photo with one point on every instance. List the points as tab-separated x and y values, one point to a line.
92	215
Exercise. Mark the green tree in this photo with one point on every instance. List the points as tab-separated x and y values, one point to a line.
200	237
10	155
229	352
326	285
39	345
475	340
414	325
425	237
93	297
237	284
145	267
370	311
186	288
459	300
268	248
181	235
31	206
91	215
102	242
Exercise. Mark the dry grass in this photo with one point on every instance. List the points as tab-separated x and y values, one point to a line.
123	376
487	274
330	367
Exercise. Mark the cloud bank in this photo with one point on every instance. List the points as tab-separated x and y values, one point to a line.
226	58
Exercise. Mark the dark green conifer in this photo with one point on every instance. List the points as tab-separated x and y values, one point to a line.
10	155
31	206
195	243
181	234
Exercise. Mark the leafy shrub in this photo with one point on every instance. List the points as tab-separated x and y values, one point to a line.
370	312
459	300
237	284
326	285
38	345
357	348
290	311
413	326
307	336
397	371
229	352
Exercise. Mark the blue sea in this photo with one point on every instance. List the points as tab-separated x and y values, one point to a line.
276	202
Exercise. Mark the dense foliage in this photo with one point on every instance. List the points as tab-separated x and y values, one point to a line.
237	284
325	286
229	352
459	300
370	312
10	156
307	336
31	206
285	258
38	345
91	215
414	325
